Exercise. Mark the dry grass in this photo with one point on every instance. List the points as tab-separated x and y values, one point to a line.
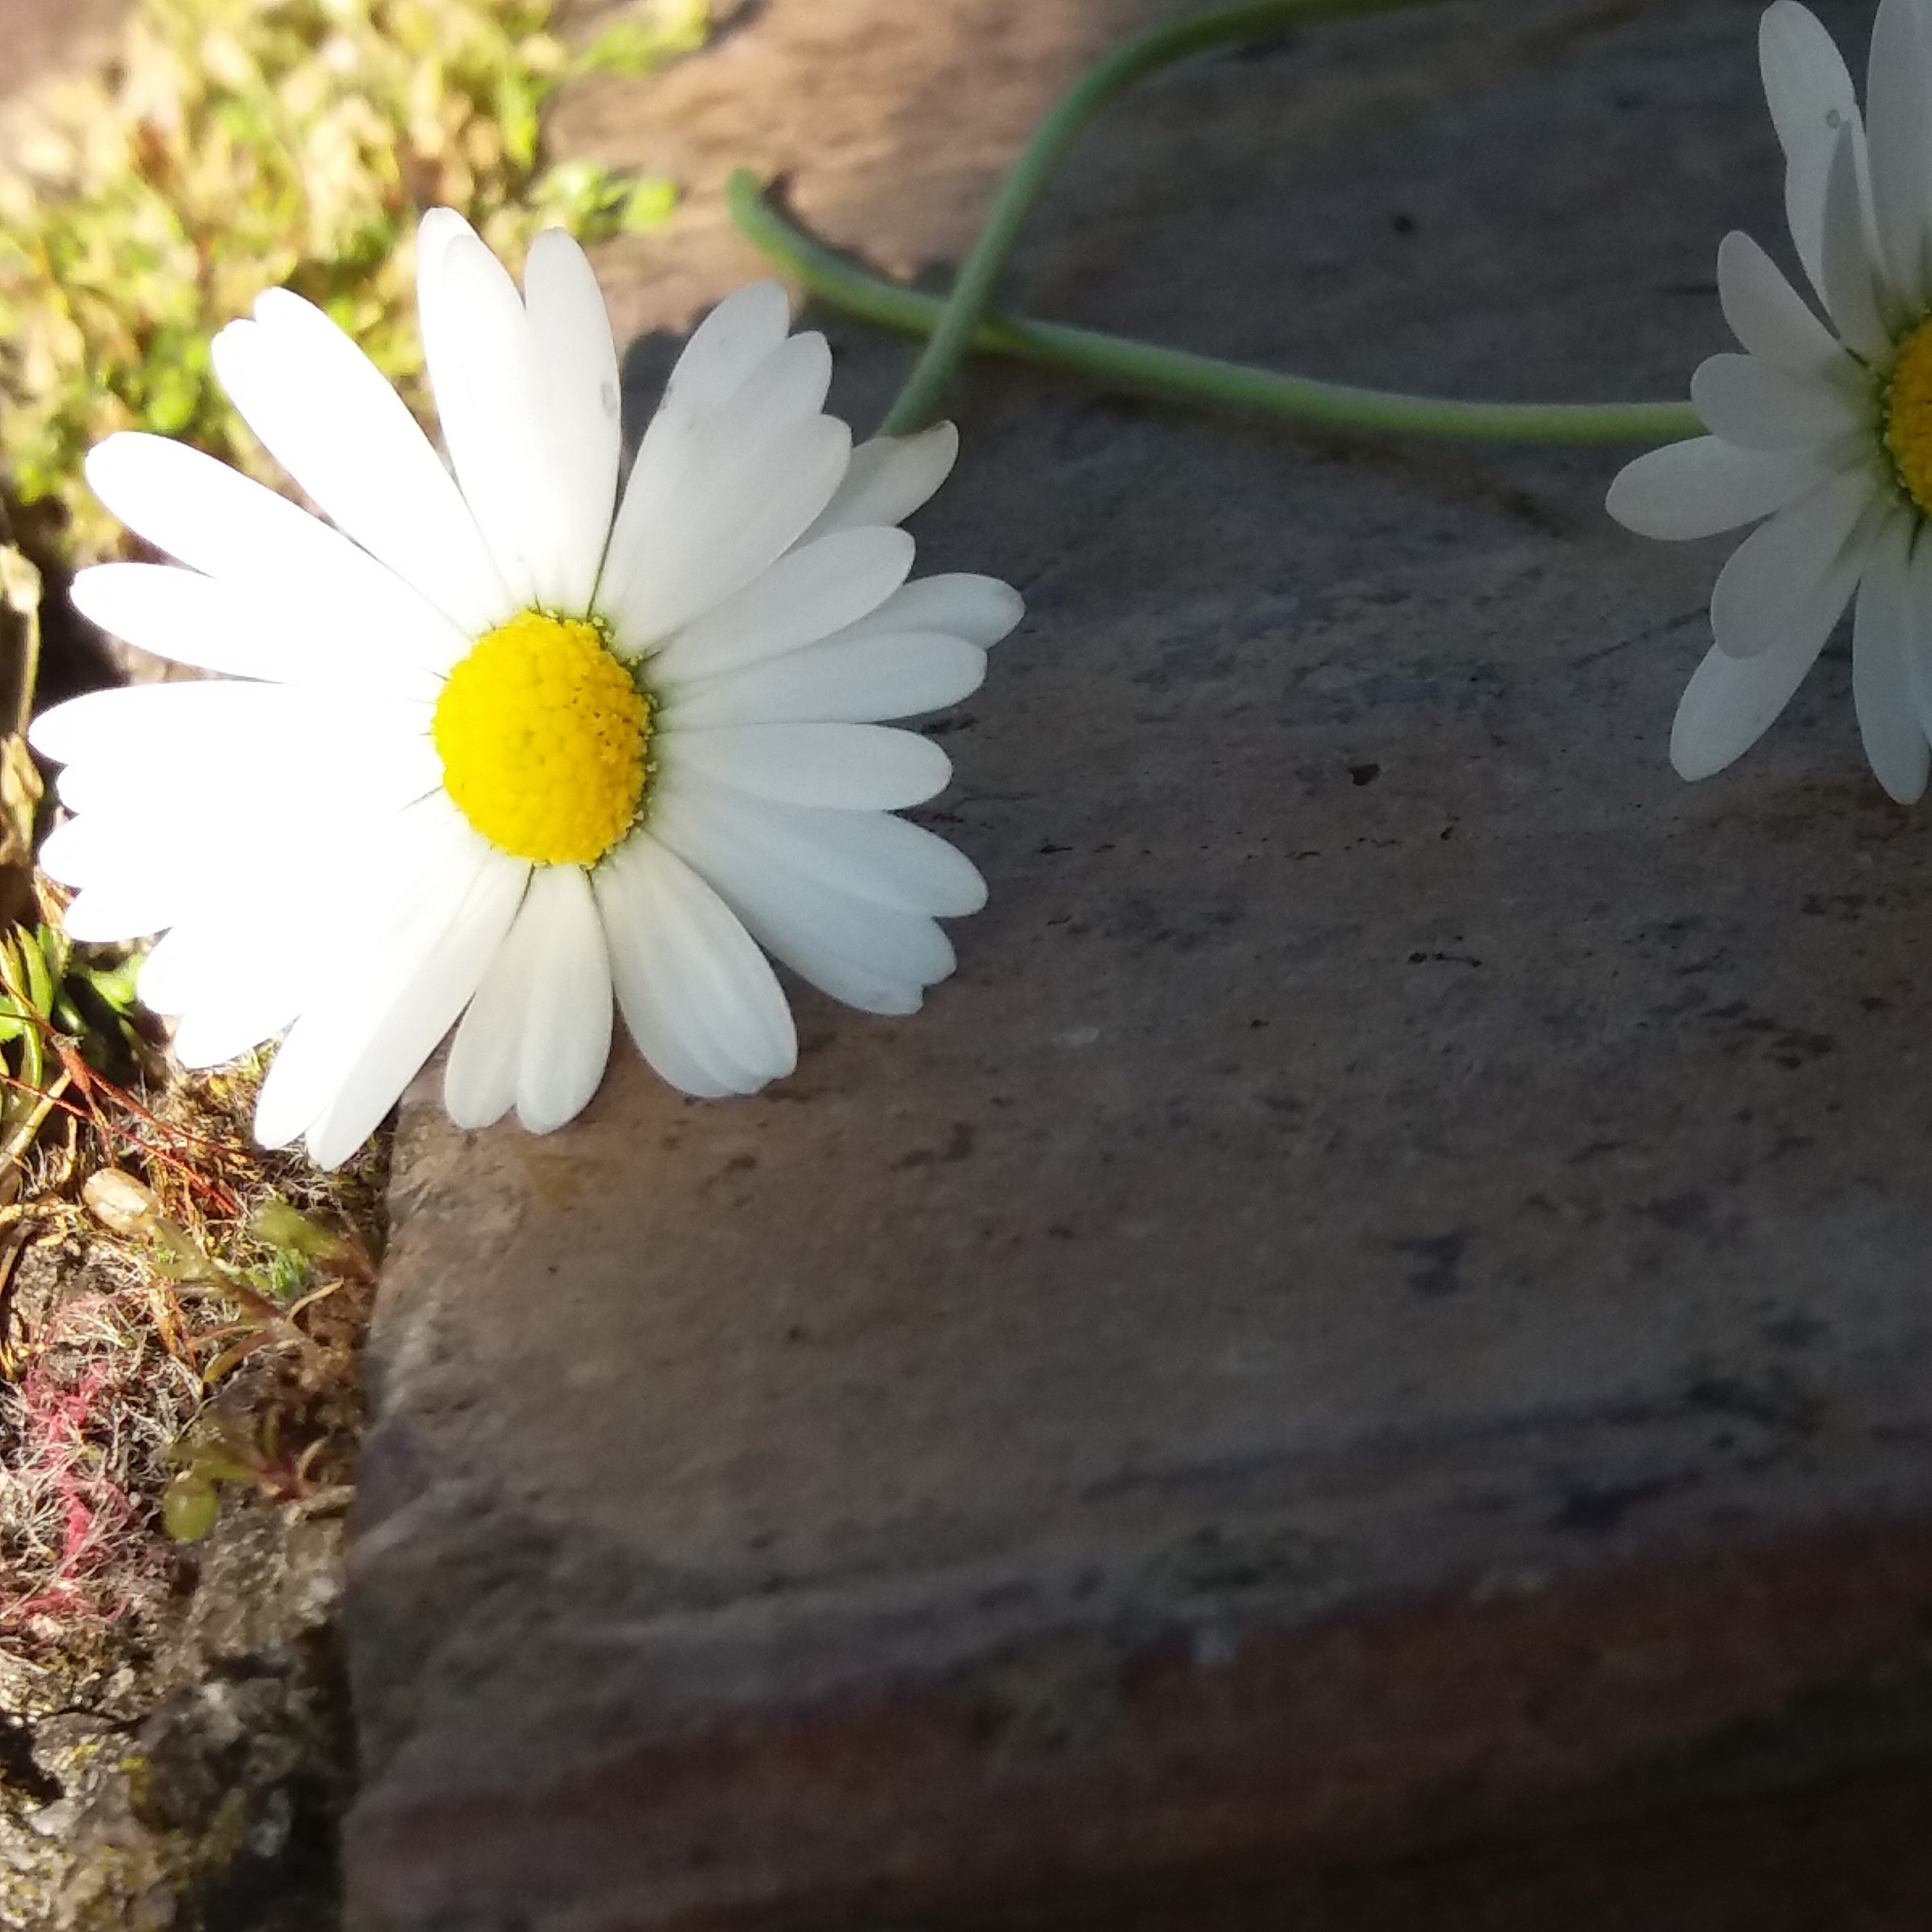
147	1366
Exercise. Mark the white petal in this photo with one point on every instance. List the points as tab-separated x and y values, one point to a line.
121	909
196	620
875	956
482	363
1810	97
980	609
1851	295
1729	703
888	478
294	782
193	720
1776	578
699	998
216	521
1888	721
729	513
848	767
858	681
214	1036
229	989
100	851
434	233
577	366
328	416
568	1039
480	1077
153	749
538	1032
1899	117
1759	405
810	593
227	1020
789	386
754	458
145	864
424	1007
860	855
731	341
682	438
417	936
1698	488
1768	317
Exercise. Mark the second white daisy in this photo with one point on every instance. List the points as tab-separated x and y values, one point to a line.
1826	433
501	744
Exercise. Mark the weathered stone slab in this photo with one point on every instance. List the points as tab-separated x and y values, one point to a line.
1384	1315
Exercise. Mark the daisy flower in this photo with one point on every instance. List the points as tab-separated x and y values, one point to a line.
499	740
1824	431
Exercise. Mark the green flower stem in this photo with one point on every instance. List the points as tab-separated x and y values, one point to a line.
1132	61
1119	361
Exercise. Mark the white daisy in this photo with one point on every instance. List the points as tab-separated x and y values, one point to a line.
511	741
1826	431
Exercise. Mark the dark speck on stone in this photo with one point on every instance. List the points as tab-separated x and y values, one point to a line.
958	1148
1441	1257
1364	774
1597	1511
1678	1212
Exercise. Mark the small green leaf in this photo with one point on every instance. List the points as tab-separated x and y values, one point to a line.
115	984
40	980
288	1230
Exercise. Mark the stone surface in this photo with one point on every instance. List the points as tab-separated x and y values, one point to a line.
1364	1364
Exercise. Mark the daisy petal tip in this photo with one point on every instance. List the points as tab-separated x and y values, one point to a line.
1014	610
969	901
328	1150
939	444
768	293
272	1132
231	336
44	735
468	1114
538	1118
760	311
108	461
1632	498
1693	758
554	241
440	225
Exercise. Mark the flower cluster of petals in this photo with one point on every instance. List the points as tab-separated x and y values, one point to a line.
1821	427
741	626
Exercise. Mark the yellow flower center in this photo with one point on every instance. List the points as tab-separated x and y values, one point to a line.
1908	416
542	736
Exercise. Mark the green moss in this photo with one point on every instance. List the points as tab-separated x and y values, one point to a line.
240	144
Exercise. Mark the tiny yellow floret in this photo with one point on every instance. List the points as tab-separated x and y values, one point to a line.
1908	416
542	736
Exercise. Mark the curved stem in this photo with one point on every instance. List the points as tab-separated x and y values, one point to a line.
1118	359
1132	61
